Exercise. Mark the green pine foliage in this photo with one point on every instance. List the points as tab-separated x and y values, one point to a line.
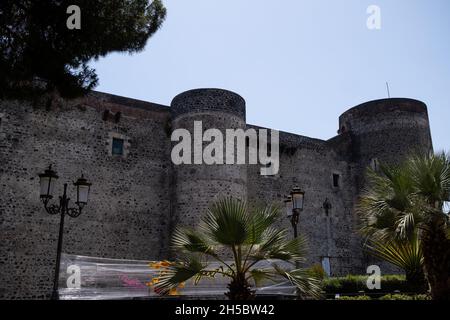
40	54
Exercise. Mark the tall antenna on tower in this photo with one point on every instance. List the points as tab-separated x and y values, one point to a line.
388	92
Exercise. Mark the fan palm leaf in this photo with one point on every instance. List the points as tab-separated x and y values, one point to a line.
231	229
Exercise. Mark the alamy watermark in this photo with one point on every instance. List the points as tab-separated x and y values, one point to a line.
235	146
374	20
74	20
374	279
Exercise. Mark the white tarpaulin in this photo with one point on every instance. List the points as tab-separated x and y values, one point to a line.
83	277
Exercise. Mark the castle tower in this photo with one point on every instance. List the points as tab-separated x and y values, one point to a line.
196	186
386	131
381	132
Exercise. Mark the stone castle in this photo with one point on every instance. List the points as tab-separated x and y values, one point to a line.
123	146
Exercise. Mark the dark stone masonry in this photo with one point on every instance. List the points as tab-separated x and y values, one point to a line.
123	146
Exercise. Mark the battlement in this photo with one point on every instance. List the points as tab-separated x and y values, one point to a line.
108	98
386	105
363	116
206	100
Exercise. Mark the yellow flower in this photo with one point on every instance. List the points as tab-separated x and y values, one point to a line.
165	263
149	284
155	280
173	292
181	285
154	265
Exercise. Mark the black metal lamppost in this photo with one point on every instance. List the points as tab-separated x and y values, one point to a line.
294	205
47	186
327	207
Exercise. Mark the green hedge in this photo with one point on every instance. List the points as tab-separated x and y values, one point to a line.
388	297
405	297
355	298
357	283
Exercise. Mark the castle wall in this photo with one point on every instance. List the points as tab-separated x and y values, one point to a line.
139	197
127	215
310	164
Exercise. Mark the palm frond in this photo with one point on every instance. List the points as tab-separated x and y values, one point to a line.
388	207
406	225
260	275
431	176
226	222
293	250
271	239
187	239
259	221
406	254
299	246
275	245
178	273
303	280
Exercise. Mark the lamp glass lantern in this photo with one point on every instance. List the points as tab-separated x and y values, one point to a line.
297	198
83	189
47	182
288	206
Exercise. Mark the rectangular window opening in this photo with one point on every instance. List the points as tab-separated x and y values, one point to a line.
336	180
117	147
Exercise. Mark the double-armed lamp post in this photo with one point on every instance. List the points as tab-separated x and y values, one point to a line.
294	205
47	186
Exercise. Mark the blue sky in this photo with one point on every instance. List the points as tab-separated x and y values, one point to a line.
298	64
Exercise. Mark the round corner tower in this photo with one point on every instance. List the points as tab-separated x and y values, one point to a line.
387	131
195	186
382	131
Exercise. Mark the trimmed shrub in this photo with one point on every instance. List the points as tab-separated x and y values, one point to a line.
405	297
317	271
357	283
355	298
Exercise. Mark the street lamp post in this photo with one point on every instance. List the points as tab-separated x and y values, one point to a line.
327	207
294	205
47	186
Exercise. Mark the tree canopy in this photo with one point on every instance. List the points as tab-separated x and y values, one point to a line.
39	53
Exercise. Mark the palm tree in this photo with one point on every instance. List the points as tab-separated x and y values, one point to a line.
405	254
230	230
409	200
